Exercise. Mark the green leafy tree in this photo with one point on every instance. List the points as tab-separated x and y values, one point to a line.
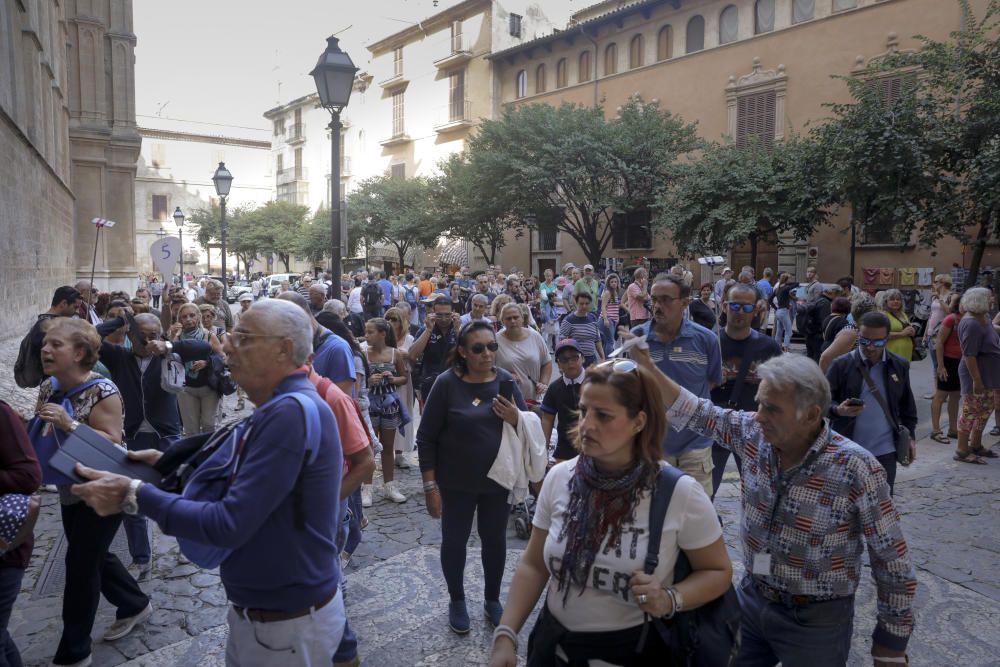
240	238
538	158
315	240
206	222
277	227
466	207
394	211
733	195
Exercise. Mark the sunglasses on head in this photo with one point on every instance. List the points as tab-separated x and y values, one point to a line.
479	348
869	342
619	365
745	307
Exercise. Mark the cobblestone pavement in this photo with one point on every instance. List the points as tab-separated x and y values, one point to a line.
397	601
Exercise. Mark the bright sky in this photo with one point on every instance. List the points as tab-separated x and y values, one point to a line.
220	61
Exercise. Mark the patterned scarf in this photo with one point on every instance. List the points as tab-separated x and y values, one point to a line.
600	504
194	334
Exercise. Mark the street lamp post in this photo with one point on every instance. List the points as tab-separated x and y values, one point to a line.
334	76
223	182
179	219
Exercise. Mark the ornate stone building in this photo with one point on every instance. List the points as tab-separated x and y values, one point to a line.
68	149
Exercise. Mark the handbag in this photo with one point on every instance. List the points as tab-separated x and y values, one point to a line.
708	636
211	479
219	377
901	432
18	515
44	437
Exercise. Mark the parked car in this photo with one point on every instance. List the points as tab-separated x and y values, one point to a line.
274	282
239	287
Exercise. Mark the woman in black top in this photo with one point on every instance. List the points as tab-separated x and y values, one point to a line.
458	440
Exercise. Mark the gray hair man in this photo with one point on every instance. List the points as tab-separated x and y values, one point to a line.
812	499
215	296
333	358
317	297
279	516
337	307
478	305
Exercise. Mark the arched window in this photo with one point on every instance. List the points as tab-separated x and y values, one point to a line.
665	43
521	84
611	59
729	24
584	67
803	10
763	16
695	38
540	79
635	52
841	5
561	79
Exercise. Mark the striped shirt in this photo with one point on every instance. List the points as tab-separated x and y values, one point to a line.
834	502
583	330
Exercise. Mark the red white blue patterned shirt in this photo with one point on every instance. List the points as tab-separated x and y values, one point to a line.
833	502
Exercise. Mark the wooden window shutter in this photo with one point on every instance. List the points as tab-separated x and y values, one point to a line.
755	119
619	231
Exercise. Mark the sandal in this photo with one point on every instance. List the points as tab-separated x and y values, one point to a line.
985	453
968	457
938	436
952	434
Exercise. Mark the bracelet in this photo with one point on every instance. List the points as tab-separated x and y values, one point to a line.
430	486
669	590
505	631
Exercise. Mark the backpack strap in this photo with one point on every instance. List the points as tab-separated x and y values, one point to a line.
666	481
312	430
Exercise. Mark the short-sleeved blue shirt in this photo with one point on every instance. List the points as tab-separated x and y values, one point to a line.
693	360
334	359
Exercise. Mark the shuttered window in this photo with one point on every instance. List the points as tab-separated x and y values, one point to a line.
695	37
561	79
397	61
665	43
521	84
635	52
540	79
398	128
584	70
890	88
456	95
611	59
398	171
755	119
631	230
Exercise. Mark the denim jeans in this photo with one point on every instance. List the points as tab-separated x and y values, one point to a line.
783	326
817	634
309	640
10	586
932	352
136	531
353	536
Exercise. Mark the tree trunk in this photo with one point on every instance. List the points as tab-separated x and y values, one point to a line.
978	249
490	257
402	257
284	260
754	242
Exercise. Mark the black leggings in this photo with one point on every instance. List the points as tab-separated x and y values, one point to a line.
457	509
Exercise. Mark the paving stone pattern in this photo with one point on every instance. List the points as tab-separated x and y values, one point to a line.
397	602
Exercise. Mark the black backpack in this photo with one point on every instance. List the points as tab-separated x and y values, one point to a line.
28	367
372	297
708	635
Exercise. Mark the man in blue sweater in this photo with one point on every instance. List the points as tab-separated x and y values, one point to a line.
283	580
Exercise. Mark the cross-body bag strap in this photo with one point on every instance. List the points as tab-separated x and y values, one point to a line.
878	395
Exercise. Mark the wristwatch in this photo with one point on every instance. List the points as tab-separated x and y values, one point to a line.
169	346
130	505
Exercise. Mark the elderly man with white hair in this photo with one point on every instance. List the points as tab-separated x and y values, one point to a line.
811	501
279	515
214	296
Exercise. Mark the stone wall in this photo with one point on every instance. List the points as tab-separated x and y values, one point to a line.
36	231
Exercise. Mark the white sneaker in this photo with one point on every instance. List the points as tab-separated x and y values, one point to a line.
390	491
401	461
123	626
366	495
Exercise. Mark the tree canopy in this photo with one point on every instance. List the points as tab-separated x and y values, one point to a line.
395	211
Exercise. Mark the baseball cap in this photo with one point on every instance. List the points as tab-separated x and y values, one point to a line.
588	267
726	269
246	296
567	343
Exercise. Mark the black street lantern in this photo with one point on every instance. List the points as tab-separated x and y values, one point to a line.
179	219
334	75
223	180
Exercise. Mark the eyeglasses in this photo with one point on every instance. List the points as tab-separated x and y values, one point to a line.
745	307
568	358
871	342
664	299
238	337
479	348
619	365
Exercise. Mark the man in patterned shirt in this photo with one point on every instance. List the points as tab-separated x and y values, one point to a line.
811	500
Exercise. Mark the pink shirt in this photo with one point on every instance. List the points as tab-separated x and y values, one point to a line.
353	436
636	302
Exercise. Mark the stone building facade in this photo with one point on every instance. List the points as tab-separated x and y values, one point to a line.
707	60
68	148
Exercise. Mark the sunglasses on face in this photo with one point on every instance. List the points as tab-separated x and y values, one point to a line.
745	307
872	342
479	348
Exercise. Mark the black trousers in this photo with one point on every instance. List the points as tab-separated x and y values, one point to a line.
720	456
888	462
457	510
814	346
90	572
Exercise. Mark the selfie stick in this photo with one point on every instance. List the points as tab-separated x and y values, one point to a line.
100	223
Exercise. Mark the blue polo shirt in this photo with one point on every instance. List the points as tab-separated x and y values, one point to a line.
871	428
694	361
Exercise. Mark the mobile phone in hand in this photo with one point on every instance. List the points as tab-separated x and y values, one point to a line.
507	390
855	402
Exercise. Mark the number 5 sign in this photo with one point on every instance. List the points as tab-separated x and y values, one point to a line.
165	253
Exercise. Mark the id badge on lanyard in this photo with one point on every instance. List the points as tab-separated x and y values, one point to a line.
762	561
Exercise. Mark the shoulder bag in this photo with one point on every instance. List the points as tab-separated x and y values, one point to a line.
901	432
708	636
44	437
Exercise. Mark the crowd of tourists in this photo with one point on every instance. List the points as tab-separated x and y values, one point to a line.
609	406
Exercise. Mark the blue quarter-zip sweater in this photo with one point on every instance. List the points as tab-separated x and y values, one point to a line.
274	565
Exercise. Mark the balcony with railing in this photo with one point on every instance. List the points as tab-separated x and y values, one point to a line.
292	174
295	133
456	115
459	54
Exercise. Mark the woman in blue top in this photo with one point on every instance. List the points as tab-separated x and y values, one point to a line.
458	440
